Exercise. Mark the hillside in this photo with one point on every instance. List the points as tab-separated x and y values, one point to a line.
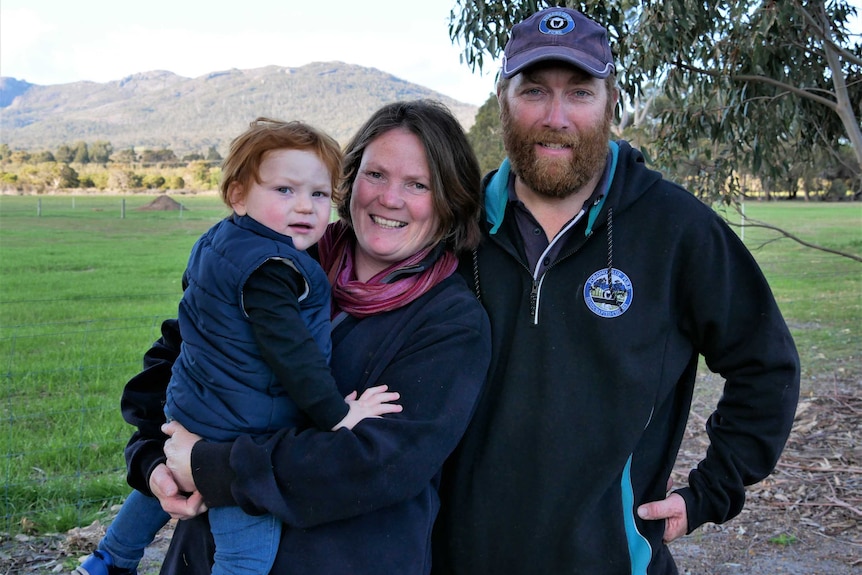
160	109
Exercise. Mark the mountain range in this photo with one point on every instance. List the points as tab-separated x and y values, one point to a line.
160	109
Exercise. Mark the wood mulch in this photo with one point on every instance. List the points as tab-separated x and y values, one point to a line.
819	474
809	509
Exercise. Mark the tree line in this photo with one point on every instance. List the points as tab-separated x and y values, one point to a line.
102	152
99	166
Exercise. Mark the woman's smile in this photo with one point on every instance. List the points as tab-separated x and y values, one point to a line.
391	205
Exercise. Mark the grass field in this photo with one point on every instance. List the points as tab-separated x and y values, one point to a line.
820	294
83	291
82	295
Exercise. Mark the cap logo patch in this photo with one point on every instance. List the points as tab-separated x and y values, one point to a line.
557	23
608	295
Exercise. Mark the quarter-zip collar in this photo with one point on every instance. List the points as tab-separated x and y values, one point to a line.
497	198
497	193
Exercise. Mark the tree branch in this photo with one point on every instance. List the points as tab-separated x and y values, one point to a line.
827	38
762	79
788	235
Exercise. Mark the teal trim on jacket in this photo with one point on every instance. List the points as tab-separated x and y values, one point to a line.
497	193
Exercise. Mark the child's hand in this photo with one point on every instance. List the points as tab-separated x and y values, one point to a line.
373	402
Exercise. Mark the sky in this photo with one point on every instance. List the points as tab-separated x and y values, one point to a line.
56	42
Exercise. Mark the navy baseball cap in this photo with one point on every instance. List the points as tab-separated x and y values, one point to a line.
558	34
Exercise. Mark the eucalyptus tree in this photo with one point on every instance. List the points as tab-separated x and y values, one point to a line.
64	153
752	86
81	153
100	151
486	136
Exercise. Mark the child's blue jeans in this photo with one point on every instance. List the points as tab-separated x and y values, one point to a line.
244	544
135	526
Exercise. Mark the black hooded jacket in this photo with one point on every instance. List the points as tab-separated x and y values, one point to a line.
593	370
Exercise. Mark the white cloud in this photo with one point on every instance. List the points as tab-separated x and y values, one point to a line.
23	36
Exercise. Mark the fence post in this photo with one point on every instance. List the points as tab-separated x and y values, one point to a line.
38	207
123	210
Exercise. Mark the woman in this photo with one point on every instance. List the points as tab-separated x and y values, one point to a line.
360	501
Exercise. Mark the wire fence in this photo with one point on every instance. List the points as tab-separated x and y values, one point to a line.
175	205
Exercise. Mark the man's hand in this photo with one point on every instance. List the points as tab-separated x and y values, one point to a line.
672	510
178	505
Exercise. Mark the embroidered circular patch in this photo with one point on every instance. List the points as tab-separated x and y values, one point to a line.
557	23
608	296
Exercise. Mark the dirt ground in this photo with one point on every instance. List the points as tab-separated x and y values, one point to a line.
805	519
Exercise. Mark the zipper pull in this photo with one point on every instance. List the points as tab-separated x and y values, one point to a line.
534	298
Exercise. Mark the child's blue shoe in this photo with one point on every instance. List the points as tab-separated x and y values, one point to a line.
101	564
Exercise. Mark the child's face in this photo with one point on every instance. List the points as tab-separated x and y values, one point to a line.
294	196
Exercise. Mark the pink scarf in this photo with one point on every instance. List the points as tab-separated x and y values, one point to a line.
390	289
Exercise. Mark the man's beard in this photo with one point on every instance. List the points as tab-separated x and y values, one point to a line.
555	177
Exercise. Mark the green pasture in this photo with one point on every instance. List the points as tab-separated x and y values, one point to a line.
820	293
84	285
85	282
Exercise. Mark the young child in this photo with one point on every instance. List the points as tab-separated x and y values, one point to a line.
254	319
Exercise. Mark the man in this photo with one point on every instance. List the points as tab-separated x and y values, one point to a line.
604	283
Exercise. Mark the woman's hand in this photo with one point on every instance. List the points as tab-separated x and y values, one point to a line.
178	450
177	504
